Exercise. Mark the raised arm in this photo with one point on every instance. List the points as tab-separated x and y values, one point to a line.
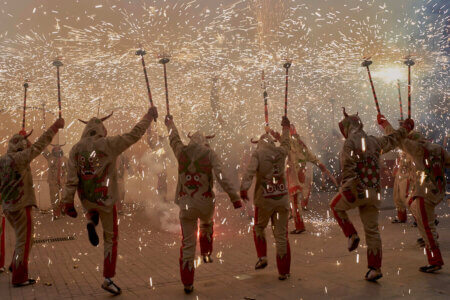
24	158
120	143
285	143
174	137
395	137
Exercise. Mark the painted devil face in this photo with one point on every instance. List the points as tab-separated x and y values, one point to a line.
88	163
192	182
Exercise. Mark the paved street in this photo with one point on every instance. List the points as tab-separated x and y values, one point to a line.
148	259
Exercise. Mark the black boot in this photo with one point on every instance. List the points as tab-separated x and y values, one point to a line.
188	289
261	263
430	268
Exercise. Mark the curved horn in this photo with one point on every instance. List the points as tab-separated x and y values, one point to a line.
85	122
62	144
210	136
356	113
189	135
254	142
27	135
345	114
107	117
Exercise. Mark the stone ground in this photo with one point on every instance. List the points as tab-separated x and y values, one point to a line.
148	260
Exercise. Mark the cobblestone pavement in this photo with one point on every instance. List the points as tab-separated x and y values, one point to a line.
148	259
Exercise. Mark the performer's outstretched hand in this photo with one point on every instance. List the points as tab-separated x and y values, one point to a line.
152	113
382	121
408	124
168	120
285	122
59	124
69	209
276	135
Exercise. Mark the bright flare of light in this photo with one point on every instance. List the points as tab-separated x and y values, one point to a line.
391	74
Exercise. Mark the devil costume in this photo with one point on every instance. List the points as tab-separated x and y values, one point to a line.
17	195
92	172
194	195
271	198
56	178
428	190
297	178
360	186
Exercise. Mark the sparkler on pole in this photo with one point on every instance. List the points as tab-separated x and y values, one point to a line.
286	65
409	62
400	100
164	60
142	52
266	109
366	63
25	86
57	63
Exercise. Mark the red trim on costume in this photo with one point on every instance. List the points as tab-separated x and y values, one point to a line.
109	265
374	260
299	225
346	226
424	220
305	200
401	215
434	256
206	245
284	263
187	276
260	243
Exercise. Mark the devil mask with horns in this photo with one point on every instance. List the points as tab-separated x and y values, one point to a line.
94	127
19	142
350	123
199	138
264	140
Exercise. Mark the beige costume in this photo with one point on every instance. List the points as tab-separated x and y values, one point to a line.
194	195
428	189
360	187
271	197
17	195
92	172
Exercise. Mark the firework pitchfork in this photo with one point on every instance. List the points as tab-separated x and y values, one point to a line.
366	63
57	63
400	100
164	60
409	62
25	86
265	95
286	65
141	53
